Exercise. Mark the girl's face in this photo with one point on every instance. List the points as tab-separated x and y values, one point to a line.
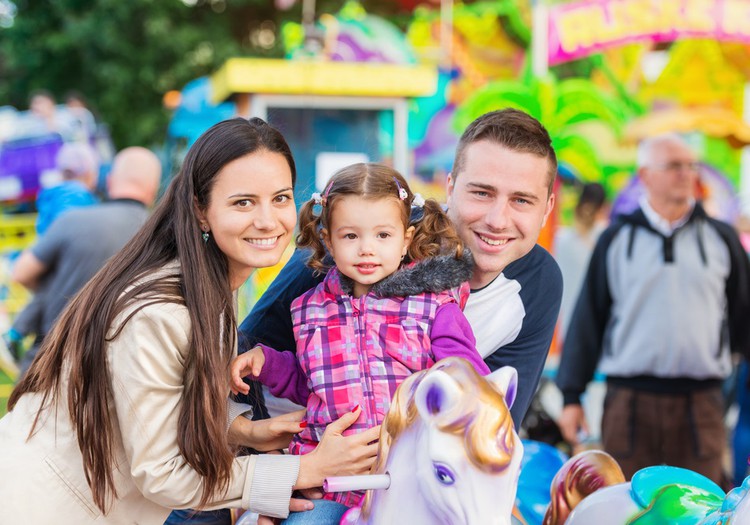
367	239
250	213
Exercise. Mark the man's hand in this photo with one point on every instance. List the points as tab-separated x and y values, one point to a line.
249	363
295	505
266	434
572	422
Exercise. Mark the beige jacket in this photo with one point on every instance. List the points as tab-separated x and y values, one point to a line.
43	477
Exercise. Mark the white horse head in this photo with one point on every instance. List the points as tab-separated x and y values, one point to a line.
450	449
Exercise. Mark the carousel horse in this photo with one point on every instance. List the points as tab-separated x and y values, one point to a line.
590	488
448	451
579	477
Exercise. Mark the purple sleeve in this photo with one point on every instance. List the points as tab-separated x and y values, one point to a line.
452	336
283	376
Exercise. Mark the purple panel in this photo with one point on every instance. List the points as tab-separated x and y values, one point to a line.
26	159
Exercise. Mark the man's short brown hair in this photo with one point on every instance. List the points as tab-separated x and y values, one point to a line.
512	129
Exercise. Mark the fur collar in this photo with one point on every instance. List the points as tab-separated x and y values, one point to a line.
433	275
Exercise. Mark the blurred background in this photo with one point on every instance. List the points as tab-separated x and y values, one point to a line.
394	81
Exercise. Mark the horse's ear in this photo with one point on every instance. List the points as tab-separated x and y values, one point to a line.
506	379
436	394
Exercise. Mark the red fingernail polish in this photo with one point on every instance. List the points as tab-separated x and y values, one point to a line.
355	408
302	424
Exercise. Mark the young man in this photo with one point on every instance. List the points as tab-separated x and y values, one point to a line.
499	198
664	302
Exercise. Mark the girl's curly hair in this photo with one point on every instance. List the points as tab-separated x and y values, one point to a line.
434	234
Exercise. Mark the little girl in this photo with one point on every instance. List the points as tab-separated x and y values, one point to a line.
391	306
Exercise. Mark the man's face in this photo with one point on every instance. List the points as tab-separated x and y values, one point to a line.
498	203
671	175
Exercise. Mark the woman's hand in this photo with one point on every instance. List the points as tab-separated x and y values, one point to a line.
338	455
266	434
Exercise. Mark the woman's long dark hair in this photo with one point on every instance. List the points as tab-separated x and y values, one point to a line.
77	344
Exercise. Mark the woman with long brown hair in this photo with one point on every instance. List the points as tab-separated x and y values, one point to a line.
124	414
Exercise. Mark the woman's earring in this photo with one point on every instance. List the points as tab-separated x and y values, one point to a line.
205	236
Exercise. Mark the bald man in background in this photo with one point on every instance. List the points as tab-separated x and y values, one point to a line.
78	243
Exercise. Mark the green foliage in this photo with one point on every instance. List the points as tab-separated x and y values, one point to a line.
123	56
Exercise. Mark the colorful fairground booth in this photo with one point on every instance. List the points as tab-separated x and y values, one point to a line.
331	113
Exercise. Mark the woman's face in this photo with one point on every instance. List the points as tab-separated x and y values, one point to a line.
251	213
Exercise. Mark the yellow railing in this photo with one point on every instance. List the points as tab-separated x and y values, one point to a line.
16	233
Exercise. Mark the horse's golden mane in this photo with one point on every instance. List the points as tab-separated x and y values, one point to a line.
483	420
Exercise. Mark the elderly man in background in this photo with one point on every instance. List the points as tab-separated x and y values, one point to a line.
665	301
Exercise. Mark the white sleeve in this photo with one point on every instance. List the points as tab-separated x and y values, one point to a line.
236	409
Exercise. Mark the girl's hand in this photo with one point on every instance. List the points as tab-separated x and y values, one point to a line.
267	434
249	363
338	455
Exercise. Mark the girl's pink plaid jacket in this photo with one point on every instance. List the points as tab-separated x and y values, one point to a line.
356	351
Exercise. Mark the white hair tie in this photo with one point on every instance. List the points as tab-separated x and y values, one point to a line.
317	198
418	200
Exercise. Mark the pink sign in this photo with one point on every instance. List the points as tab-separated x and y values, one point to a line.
581	28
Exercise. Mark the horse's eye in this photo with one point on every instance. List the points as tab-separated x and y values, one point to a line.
443	474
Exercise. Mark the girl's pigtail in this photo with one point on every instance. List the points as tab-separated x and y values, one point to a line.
434	235
309	236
